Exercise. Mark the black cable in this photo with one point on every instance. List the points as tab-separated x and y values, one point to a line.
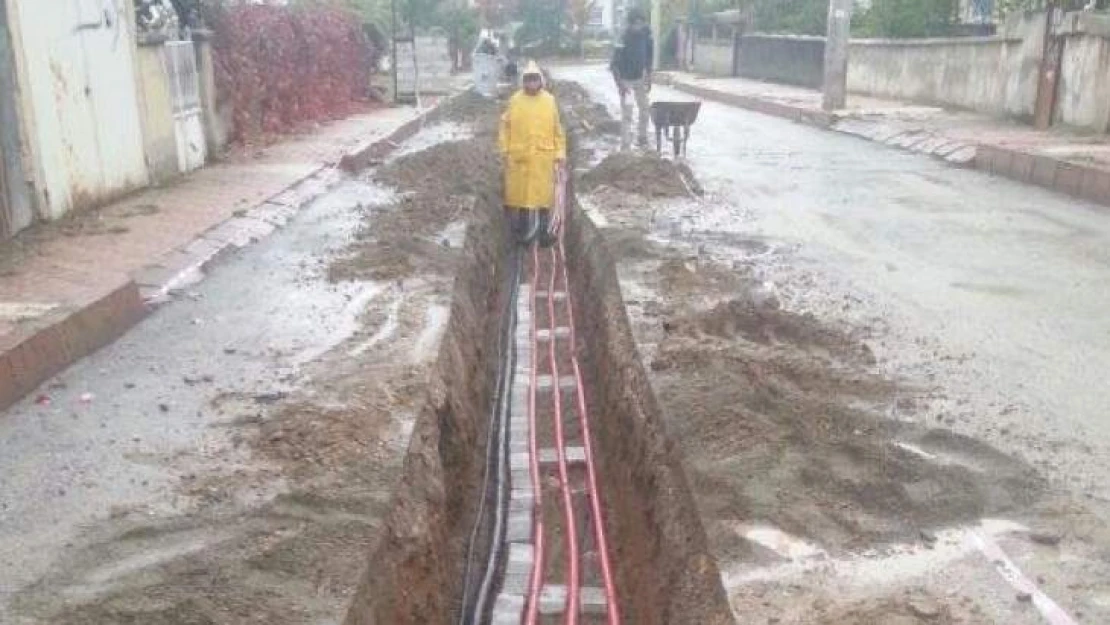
473	607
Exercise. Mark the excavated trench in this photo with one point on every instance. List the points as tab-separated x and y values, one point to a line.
663	570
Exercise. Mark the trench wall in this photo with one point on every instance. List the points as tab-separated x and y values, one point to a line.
414	573
665	573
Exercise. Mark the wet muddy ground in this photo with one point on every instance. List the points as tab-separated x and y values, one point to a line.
832	488
242	445
322	444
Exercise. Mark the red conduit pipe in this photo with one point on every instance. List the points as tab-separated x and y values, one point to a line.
570	615
536	582
613	609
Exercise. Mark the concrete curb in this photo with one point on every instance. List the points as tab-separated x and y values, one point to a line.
1079	181
59	339
50	344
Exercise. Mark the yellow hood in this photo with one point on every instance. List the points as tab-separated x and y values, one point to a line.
532	68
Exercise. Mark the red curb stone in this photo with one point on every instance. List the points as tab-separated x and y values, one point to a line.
20	367
1044	171
984	158
1003	162
1021	168
8	384
1068	178
1095	185
47	349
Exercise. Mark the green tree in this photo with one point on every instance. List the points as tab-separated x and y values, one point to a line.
580	15
798	17
899	19
374	12
542	24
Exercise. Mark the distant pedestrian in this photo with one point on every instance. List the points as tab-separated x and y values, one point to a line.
533	147
631	66
487	47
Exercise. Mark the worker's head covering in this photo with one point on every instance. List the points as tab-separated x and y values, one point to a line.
532	69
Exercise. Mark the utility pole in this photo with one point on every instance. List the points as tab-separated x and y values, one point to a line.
1052	55
393	46
836	55
656	30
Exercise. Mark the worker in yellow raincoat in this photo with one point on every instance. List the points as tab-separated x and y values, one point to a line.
532	147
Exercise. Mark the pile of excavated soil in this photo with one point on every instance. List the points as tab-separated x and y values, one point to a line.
468	167
472	108
783	420
582	112
404	241
644	175
912	608
440	186
771	407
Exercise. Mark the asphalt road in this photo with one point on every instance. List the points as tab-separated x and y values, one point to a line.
985	298
122	426
1001	288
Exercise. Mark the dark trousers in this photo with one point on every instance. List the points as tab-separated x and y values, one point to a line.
529	225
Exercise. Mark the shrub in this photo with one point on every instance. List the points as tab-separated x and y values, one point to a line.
282	66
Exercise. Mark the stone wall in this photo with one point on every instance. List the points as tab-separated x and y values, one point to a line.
783	59
713	57
994	75
989	75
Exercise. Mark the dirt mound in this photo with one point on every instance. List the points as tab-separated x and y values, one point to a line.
441	185
784	414
910	609
644	175
582	112
404	240
467	107
468	167
470	107
755	316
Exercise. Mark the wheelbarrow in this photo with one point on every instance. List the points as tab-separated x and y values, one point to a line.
673	120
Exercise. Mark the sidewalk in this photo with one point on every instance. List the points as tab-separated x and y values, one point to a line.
68	288
1068	162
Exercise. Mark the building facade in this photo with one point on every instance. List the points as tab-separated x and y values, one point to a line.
90	111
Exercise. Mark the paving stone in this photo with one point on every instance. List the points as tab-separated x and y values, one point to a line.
573	455
543	382
508	609
562	332
518	569
519	462
553	600
519	528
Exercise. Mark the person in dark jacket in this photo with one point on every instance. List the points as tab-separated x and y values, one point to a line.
631	66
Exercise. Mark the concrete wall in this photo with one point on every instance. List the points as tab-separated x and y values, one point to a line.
1083	96
79	101
1084	88
217	112
996	75
788	60
156	108
989	75
433	56
713	58
16	208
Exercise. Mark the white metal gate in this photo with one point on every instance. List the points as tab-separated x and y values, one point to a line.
181	67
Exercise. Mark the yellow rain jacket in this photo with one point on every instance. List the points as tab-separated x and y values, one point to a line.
531	140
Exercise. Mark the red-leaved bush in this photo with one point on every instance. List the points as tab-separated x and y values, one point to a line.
281	66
